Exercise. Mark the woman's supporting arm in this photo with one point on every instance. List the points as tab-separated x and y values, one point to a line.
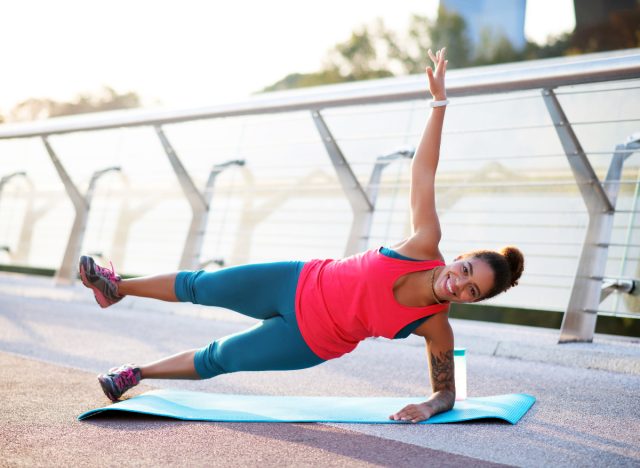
439	339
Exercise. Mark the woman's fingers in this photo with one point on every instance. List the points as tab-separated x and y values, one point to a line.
432	57
438	59
409	413
441	59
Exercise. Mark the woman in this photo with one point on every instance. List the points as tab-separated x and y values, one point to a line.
319	310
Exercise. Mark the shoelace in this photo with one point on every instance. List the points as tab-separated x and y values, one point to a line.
110	274
125	378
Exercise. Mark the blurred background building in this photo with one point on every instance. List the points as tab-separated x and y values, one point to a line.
599	24
487	19
591	13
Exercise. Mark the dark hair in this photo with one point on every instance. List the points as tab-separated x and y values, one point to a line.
507	265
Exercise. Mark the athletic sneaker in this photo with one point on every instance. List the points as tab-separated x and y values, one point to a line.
118	380
103	281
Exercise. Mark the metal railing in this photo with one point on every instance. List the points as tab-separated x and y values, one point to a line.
527	160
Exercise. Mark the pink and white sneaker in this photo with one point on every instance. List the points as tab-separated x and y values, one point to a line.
118	380
102	281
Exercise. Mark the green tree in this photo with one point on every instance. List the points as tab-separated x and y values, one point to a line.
302	80
494	48
32	109
621	30
104	100
411	53
375	52
449	29
361	57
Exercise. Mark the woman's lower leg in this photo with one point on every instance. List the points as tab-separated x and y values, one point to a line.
178	366
160	287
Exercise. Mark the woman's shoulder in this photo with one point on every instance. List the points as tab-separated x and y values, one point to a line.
416	248
436	327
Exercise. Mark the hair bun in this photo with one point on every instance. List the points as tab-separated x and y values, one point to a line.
515	259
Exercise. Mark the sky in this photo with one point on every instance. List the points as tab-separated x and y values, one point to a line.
193	52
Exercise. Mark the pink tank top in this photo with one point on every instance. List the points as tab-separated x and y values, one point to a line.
341	302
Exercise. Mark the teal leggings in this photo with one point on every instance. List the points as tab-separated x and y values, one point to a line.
264	291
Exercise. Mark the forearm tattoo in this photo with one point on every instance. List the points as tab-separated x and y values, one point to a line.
442	371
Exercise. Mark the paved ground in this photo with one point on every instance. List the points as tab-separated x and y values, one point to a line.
54	340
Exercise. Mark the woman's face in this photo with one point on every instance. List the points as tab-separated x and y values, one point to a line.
465	280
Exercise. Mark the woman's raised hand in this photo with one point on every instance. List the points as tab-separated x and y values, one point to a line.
436	75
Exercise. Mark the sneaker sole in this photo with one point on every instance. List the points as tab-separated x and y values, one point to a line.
107	388
100	298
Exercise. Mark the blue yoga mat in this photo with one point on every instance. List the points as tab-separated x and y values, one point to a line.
197	406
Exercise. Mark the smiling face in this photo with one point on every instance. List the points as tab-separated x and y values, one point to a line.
465	280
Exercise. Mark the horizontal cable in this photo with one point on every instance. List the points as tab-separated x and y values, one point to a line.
287	165
549	275
591	91
558	183
610	313
597	122
633	246
297	243
5	211
444	159
465	131
525	284
579	226
505	211
422	105
459	102
416	136
520	242
500	158
331	187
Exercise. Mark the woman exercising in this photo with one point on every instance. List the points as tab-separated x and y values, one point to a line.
318	310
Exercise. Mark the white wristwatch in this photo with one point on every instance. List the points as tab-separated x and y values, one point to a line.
438	103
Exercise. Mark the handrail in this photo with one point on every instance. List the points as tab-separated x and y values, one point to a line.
520	76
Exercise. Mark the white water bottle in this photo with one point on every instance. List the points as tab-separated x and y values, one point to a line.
460	373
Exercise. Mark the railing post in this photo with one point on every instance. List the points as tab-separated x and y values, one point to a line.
3	181
373	186
252	213
199	202
199	205
360	204
579	319
32	215
67	271
193	250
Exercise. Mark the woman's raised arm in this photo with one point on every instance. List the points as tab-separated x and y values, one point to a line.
426	226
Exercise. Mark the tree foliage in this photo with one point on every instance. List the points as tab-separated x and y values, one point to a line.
376	52
43	108
621	30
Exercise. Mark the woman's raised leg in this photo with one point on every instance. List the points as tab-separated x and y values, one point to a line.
108	288
178	366
156	287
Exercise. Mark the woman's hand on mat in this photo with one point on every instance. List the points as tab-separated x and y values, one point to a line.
414	413
436	74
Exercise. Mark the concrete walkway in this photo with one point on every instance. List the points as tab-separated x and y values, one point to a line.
54	340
